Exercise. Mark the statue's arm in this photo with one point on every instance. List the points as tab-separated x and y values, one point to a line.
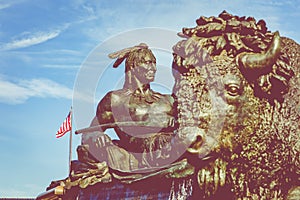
104	113
95	133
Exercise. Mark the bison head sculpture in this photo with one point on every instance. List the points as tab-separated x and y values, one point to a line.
237	90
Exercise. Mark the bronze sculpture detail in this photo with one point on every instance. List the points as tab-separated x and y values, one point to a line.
136	103
230	128
234	63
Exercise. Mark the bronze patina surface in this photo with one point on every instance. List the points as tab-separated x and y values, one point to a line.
230	130
239	84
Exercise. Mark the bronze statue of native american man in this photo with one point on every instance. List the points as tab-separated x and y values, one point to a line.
142	118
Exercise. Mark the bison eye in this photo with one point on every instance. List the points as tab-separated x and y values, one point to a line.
233	89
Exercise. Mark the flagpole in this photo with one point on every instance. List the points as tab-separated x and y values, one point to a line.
70	142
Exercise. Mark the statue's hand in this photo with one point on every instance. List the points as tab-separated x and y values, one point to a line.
171	122
162	122
102	140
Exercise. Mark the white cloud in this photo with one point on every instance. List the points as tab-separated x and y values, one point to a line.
20	92
5	5
33	39
5	138
67	52
59	66
124	16
21	191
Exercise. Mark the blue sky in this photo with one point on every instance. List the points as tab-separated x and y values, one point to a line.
45	44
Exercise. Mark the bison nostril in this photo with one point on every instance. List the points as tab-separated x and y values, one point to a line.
197	143
198	139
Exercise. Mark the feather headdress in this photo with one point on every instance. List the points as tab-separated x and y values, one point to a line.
121	55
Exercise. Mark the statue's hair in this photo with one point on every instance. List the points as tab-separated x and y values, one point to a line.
133	56
137	56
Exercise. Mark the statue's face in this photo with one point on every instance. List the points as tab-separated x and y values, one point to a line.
145	69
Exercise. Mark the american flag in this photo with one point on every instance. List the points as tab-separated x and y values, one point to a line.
65	127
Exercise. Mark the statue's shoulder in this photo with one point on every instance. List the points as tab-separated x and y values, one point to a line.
111	99
116	96
165	97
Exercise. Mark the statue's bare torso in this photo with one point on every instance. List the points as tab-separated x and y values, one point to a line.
148	108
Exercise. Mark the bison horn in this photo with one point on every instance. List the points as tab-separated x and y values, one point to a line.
260	63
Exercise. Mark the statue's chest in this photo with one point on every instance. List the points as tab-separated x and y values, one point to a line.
144	111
